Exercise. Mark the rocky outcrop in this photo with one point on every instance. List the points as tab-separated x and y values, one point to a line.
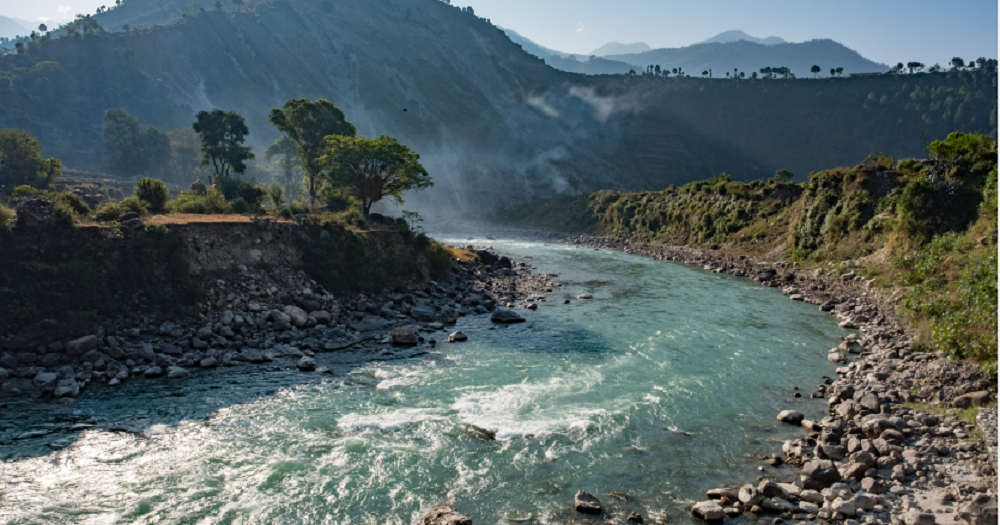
444	515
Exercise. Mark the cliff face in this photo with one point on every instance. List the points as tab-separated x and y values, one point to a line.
492	123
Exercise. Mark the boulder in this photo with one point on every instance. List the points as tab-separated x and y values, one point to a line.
771	489
204	333
972	399
277	316
45	381
586	503
915	517
321	316
708	511
82	345
306	364
444	515
819	474
730	494
845	507
449	316
423	313
66	387
812	496
456	337
750	496
298	316
982	510
585	296
170	349
208	362
790	416
403	336
505	316
873	486
153	371
176	372
250	355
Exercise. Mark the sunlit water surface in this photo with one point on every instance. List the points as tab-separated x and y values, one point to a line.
659	387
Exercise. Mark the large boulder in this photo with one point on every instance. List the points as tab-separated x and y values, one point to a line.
790	416
403	336
915	517
306	364
37	334
708	511
972	399
586	503
45	381
298	316
176	372
750	496
423	313
982	510
82	345
505	316
819	474
66	387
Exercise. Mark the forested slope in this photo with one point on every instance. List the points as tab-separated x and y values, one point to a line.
492	123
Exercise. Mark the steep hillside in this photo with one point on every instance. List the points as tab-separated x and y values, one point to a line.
924	231
9	28
492	123
751	56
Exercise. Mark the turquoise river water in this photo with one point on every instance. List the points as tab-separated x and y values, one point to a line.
659	388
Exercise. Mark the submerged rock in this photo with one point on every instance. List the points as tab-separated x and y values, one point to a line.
505	316
587	503
404	336
708	511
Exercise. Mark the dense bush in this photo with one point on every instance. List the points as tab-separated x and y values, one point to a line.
113	211
251	194
153	192
208	203
7	218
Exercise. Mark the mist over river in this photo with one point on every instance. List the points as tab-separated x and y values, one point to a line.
659	388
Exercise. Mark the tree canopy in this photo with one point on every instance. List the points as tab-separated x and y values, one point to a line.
222	134
131	148
373	168
308	123
284	153
21	161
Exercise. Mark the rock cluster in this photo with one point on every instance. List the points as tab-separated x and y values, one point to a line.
876	458
253	316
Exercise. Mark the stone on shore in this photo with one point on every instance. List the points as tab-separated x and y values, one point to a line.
586	503
153	371
444	515
66	387
82	345
972	399
982	510
298	316
790	416
505	316
915	517
403	336
306	364
176	372
208	362
750	496
708	511
456	337
819	474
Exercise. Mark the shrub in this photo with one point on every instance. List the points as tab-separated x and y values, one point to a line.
233	188
7	218
153	192
239	205
70	205
211	202
113	211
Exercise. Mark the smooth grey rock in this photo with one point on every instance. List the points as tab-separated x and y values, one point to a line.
81	345
586	503
45	381
306	364
915	517
176	372
790	416
404	336
66	387
971	399
444	515
819	474
421	313
250	355
708	511
750	496
505	316
982	510
208	362
153	371
298	316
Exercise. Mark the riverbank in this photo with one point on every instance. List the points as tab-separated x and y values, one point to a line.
898	445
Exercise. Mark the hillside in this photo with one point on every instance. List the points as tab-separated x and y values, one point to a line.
569	62
922	231
9	28
736	35
752	56
618	48
492	123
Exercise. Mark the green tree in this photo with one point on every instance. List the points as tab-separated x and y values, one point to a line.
222	135
284	153
840	71
153	192
373	168
131	148
21	162
308	124
783	176
958	62
815	70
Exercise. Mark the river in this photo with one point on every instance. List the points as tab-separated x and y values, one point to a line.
659	388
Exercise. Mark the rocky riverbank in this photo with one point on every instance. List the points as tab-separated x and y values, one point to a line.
253	316
893	448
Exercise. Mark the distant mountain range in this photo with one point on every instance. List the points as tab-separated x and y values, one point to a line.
720	54
737	35
11	27
617	48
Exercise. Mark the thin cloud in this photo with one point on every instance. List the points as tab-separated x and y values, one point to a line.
63	9
579	29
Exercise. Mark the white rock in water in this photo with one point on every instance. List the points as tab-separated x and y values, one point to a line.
585	296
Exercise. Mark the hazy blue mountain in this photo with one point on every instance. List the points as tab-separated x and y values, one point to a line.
750	57
617	48
568	61
9	28
736	35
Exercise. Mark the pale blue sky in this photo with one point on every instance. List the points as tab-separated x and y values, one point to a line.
886	31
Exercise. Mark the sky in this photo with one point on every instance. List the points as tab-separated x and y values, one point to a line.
887	31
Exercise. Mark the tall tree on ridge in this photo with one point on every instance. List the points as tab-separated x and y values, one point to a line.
308	123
